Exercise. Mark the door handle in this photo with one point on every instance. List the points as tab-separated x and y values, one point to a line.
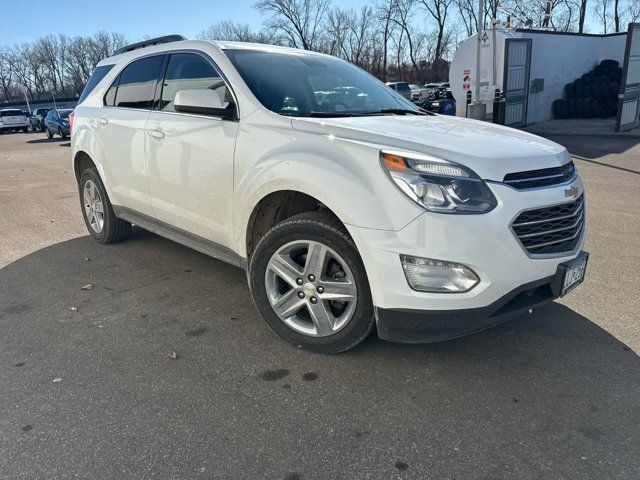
156	133
103	120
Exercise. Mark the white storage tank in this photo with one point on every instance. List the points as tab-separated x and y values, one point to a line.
462	71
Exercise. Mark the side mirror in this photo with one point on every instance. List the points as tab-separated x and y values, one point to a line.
203	102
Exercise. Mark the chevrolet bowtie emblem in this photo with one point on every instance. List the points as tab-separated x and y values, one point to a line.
571	191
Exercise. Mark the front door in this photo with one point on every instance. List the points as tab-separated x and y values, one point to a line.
190	157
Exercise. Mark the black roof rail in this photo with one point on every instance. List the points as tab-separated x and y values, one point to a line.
150	42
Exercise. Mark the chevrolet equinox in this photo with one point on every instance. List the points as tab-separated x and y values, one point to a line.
349	207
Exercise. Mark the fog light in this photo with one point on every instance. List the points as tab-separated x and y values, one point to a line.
437	276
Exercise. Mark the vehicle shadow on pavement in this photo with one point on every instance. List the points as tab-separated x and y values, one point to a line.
47	140
595	146
551	395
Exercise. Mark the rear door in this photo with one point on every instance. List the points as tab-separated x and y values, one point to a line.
516	80
121	129
190	157
629	97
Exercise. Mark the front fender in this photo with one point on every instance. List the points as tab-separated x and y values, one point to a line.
345	176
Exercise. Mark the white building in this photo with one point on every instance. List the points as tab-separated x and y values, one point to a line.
531	66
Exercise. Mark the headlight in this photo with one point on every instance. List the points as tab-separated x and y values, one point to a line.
437	185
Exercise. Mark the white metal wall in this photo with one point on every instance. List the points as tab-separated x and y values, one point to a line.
560	59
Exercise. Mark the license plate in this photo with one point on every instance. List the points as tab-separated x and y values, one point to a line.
574	274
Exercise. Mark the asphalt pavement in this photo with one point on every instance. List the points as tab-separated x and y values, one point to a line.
89	387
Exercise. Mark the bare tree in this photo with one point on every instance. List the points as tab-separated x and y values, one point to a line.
236	32
300	21
352	34
438	9
385	10
467	11
602	11
582	16
404	15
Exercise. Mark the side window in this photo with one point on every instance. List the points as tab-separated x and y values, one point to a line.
188	71
98	74
137	84
110	97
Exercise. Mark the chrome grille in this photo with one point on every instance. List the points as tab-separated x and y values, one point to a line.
541	178
549	230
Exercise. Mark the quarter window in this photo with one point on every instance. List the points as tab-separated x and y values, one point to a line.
98	74
110	97
188	71
137	84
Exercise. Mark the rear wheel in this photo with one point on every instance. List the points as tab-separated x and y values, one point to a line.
97	211
309	284
62	134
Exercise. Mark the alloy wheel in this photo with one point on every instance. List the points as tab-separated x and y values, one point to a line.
311	288
93	207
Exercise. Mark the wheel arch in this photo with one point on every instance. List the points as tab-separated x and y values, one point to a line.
82	161
275	207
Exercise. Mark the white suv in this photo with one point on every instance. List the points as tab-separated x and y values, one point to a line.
347	205
12	119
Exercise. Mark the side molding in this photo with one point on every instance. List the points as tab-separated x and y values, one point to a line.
177	235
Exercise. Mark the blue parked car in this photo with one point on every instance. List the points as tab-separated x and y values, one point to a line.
57	122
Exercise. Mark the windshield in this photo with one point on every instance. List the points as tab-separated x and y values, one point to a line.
64	113
311	85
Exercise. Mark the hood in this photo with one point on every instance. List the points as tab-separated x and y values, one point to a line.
490	150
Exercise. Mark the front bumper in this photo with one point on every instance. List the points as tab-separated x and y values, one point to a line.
484	243
423	326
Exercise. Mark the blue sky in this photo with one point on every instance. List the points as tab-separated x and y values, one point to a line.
27	20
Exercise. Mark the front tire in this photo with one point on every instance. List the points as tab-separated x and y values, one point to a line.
99	217
49	134
309	284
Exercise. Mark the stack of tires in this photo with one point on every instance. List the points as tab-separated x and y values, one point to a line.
594	94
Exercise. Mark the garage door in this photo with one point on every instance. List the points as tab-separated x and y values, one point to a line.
517	60
629	97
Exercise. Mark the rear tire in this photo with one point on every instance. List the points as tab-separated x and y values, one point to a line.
311	315
97	211
62	134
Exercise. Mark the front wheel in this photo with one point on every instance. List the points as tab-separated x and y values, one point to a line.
310	286
49	134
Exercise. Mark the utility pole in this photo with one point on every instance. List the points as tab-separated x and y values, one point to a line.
478	47
24	91
477	109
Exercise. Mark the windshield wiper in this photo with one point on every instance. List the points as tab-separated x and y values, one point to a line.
332	114
382	111
399	111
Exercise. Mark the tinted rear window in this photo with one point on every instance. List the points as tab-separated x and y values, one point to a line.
98	74
137	84
403	87
11	113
